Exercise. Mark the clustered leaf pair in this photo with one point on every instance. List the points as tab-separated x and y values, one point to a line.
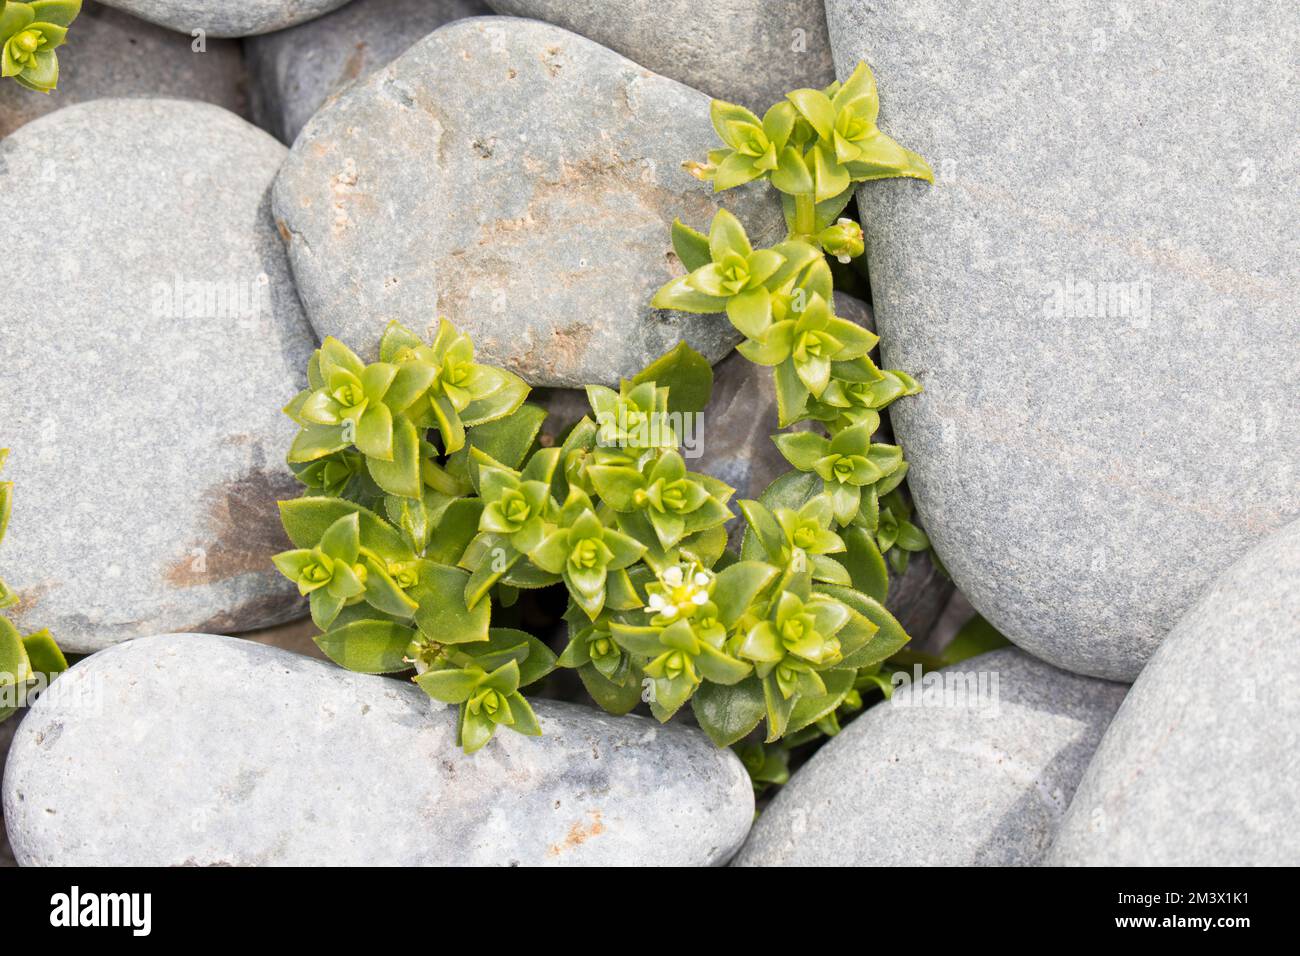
367	424
781	300
814	143
29	35
25	661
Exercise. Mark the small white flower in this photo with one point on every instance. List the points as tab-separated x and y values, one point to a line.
657	602
670	611
673	576
701	579
699	599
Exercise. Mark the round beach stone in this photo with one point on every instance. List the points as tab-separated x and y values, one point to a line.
973	766
227	18
201	750
1201	766
294	71
519	181
742	51
1099	295
149	338
110	53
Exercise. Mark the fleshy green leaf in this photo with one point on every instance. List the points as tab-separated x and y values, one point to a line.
449	685
306	520
727	714
691	246
535	659
890	636
864	562
686	374
456	529
15	665
44	654
368	647
401	475
443	616
809	710
801	449
738	585
613	698
508	440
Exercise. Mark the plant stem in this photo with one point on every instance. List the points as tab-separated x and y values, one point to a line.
805	215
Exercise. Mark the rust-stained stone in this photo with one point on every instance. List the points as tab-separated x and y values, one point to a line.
520	181
145	425
295	71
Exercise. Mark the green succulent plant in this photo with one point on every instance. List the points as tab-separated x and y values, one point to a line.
29	35
812	146
383	409
587	553
657	610
488	700
662	494
850	148
635	417
338	572
433	503
896	535
843	240
28	662
846	463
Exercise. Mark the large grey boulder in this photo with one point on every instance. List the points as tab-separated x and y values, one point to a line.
1099	295
227	18
743	51
973	766
518	180
1201	766
193	749
110	53
294	71
149	337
